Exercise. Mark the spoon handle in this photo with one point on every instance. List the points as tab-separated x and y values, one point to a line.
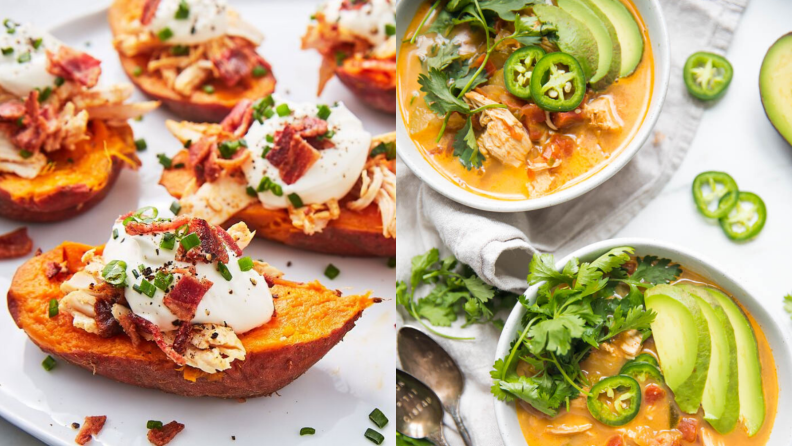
437	438
453	410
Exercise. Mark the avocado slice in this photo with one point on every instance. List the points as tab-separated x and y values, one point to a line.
683	343
775	85
749	369
574	37
720	401
605	34
628	32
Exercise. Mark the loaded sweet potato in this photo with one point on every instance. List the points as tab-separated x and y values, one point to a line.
356	39
304	175
172	304
198	57
63	138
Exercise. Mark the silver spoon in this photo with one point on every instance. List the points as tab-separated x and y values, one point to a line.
422	357
419	413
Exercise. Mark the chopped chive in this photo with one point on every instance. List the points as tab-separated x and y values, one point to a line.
59	81
389	150
390	29
25	153
392	262
163	280
339	57
175	207
190	241
250	191
277	190
44	94
223	270
178	166
324	112
53	307
307	431
229	148
183	12
165	161
153	424
208	89
283	110
135	273
264	184
137	71
295	200
374	436
114	273
165	34
140	144
180	50
146	288
270	139
378	418
36	43
187	143
268	112
20	121
269	101
115	234
24	57
259	71
331	272
49	363
10	26
8	51
266	151
168	241
245	264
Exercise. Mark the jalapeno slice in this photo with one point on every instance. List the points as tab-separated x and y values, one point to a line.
518	70
720	185
707	75
744	222
641	371
647	358
615	401
558	83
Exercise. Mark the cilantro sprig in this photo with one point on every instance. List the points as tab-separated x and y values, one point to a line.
575	310
453	288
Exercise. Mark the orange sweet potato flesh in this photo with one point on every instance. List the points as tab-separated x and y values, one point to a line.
80	179
199	106
309	320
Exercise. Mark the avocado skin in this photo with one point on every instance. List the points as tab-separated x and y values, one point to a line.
775	86
586	11
574	38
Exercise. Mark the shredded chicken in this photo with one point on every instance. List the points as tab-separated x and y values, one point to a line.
565	429
504	137
313	218
241	235
211	348
267	270
630	342
217	201
80	305
603	114
709	439
379	185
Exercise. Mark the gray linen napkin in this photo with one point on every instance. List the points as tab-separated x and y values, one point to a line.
499	246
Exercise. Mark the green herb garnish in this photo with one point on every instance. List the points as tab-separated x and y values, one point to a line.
137	71
295	200
59	81
307	431
168	241
146	288
49	363
140	144
250	191
245	264
208	89
374	436
114	273
388	149
390	29
223	270
8	51
25	154
283	110
259	71
190	241
24	57
183	12
180	50
53	308
331	272
165	34
163	280
323	112
153	424
175	207
378	418
165	160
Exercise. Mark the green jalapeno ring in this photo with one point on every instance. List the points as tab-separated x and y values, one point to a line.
641	371
567	84
609	386
518	69
743	217
646	358
716	194
707	75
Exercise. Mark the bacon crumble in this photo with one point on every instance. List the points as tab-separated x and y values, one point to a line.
149	327
12	110
138	228
291	154
149	11
91	427
185	297
74	65
239	120
164	435
15	244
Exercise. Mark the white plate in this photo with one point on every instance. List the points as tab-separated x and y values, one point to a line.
334	397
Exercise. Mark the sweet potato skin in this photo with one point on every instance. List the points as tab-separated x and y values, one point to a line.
200	106
69	191
373	81
271	362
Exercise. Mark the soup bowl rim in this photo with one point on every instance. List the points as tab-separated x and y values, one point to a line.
423	169
773	326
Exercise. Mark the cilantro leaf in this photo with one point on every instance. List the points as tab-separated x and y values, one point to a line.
439	96
466	148
636	319
654	271
505	8
442	23
462	73
479	289
439	316
614	258
442	56
420	264
545	395
542	268
555	335
527	30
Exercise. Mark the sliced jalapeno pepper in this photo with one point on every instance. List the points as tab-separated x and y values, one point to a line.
615	401
716	194
558	83
744	222
707	75
641	371
647	358
518	70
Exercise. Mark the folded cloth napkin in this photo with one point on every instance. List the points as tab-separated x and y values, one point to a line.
499	246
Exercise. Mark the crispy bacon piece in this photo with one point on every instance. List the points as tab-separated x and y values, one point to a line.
106	324
352	4
689	428
232	65
91	427
211	248
52	269
615	441
15	244
229	241
185	297
164	435
182	337
149	327
292	155
12	110
137	228
74	65
312	130
149	11
239	120
35	132
653	393
127	323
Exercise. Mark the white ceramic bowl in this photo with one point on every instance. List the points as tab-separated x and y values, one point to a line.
776	328
653	18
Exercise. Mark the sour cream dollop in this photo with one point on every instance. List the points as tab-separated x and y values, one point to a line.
23	61
205	20
369	21
243	303
334	173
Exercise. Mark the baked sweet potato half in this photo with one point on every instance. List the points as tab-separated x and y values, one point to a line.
74	181
199	82
309	320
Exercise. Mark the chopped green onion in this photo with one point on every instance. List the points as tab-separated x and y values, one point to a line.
259	71
392	262
165	161
264	184
187	143
223	270
44	94
378	418
183	12
277	190
295	200
36	43
324	112
268	113
165	34
175	207
10	26
229	148
390	29
270	139
114	273
168	241
140	144
24	57
250	191
53	307
339	57
283	110
190	241
389	150
49	363
163	280
331	272
146	214
208	89
374	436
153	424
59	81
115	234
8	51
307	431
146	288
25	153
135	273
245	264
180	50
137	71
266	151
